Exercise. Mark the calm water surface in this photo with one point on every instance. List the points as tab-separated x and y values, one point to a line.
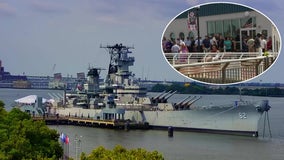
184	145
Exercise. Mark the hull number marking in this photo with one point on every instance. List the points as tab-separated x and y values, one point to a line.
243	115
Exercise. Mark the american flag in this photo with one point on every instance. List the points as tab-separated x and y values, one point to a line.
64	138
248	24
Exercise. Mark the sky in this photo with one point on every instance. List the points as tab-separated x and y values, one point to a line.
42	37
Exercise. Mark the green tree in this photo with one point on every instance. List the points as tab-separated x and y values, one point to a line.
23	138
158	88
2	111
2	104
120	152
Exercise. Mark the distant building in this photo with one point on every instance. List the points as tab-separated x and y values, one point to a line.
39	82
6	79
1	69
21	84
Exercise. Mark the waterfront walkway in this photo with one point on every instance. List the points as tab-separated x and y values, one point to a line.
227	67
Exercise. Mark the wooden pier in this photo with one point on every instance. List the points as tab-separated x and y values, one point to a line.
90	122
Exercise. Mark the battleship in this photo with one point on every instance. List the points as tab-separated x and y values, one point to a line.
129	101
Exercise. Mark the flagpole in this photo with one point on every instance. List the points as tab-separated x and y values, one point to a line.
198	33
78	147
61	137
68	150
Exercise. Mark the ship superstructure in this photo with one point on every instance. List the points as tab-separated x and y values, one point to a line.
119	79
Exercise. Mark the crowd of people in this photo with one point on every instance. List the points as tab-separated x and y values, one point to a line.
217	43
258	44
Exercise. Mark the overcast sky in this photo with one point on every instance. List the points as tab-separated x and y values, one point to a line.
36	35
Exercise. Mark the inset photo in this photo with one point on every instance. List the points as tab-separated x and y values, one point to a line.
221	43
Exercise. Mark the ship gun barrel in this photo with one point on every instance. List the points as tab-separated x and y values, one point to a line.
188	100
166	97
180	102
161	98
169	96
154	98
184	104
189	103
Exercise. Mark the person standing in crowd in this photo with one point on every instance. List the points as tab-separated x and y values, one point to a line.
213	57
188	43
221	43
269	44
169	45
179	41
233	45
183	48
250	44
214	49
213	41
164	42
175	48
192	49
183	53
196	44
206	45
244	45
227	45
263	43
257	45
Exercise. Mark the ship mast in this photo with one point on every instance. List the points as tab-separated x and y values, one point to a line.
118	70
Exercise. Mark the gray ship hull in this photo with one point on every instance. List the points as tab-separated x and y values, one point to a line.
242	119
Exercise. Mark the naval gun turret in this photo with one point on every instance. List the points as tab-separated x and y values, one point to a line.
93	91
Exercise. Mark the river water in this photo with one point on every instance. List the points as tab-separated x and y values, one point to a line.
184	145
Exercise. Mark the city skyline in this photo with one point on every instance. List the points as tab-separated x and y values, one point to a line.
37	35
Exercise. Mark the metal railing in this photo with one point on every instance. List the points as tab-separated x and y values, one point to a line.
223	67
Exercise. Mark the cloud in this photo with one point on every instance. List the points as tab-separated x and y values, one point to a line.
7	10
192	2
108	19
264	5
47	6
130	12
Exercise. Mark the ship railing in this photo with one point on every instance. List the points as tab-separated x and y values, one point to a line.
230	67
200	57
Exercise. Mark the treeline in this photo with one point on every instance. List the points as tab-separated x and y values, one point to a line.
195	88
